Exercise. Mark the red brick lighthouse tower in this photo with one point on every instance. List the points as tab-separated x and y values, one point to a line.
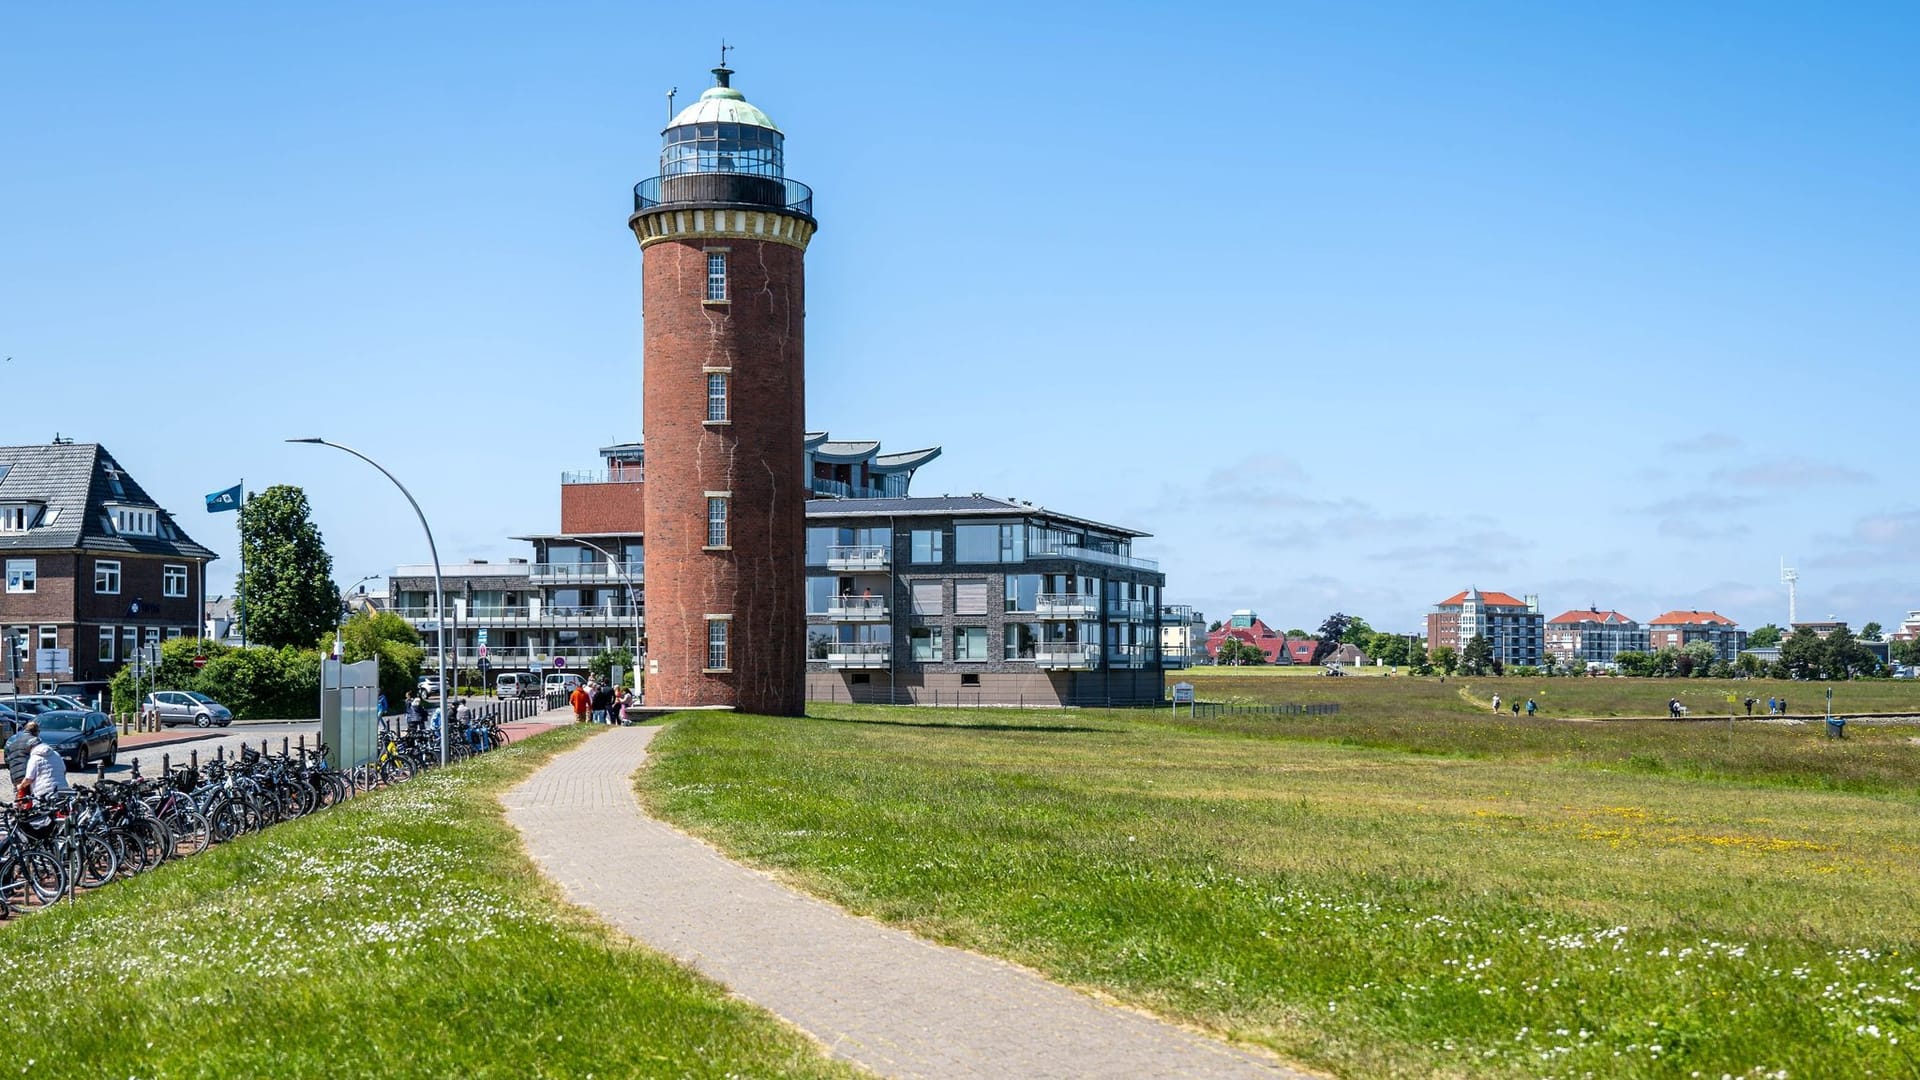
723	235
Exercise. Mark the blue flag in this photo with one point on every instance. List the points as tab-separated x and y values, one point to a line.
224	500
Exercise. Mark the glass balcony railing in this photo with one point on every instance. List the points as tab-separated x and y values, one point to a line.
1127	656
860	654
857	557
598	573
1066	655
629	474
857	608
1105	558
1066	606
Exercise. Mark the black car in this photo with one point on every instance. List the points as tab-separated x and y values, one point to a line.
80	737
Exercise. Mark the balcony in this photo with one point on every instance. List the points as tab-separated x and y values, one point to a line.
1066	606
591	573
859	654
1175	659
628	474
858	557
857	608
1176	613
517	657
728	189
524	616
1127	656
1131	610
1104	558
1066	656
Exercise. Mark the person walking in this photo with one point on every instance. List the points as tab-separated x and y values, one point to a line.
602	698
19	749
1783	705
1749	704
1516	708
1496	703
1772	705
1531	707
382	706
621	700
579	699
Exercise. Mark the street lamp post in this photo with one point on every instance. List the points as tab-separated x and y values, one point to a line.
439	591
633	598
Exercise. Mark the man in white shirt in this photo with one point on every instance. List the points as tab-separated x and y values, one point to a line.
46	772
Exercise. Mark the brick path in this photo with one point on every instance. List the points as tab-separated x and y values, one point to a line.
877	996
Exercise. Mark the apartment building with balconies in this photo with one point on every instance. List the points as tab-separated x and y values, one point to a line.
1678	629
1514	627
1592	638
979	600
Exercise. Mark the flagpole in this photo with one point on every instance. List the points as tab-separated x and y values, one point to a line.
239	540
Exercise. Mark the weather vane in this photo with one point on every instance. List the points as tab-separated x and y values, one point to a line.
724	50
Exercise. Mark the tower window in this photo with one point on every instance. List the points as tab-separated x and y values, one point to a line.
716	521
716	644
716	398
716	275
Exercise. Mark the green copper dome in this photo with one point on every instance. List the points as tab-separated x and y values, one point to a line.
723	105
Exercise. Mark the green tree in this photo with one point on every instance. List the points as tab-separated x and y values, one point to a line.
1906	652
1765	637
1803	655
1748	664
1847	657
600	666
388	638
1296	632
1357	633
1476	658
1333	631
1446	659
1217	624
1637	664
287	581
1234	652
1702	654
1871	632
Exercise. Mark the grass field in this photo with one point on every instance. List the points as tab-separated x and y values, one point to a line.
403	934
1583	697
1408	889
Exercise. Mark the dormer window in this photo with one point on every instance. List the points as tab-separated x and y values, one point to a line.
133	521
18	517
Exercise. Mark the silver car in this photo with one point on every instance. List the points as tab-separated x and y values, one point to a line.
187	707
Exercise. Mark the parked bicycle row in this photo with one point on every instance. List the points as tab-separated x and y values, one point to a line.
57	840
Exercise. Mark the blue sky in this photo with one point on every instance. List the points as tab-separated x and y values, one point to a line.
1351	305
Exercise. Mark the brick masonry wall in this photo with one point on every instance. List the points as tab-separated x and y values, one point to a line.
64	598
757	337
603	508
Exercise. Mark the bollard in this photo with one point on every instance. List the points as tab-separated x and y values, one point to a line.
193	759
303	744
263	748
101	769
220	754
283	746
166	764
136	768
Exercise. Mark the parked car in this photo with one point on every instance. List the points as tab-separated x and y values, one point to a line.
563	682
29	705
186	707
430	685
515	684
80	736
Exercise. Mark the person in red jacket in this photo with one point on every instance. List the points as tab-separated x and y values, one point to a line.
579	699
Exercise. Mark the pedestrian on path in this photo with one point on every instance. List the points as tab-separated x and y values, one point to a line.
46	774
1531	707
19	749
602	699
579	699
1496	703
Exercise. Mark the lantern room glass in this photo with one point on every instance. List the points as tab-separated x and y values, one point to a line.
722	148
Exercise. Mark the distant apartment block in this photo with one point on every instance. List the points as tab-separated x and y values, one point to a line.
1513	627
1593	637
1909	629
1678	629
1245	626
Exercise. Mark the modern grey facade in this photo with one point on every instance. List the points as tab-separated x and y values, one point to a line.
977	600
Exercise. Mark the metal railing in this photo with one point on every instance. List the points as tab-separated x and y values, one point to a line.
860	654
1066	606
839	489
423	619
596	572
1178	613
732	189
1127	609
1175	659
1106	558
626	474
857	607
1127	656
857	557
1067	654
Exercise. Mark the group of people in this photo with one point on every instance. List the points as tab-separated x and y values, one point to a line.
35	768
1775	706
1531	707
605	704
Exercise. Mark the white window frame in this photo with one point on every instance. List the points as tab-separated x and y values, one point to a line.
719	525
49	637
169	572
23	575
716	276
106	572
720	405
719	637
108	635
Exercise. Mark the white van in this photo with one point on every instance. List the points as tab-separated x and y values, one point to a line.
515	684
563	682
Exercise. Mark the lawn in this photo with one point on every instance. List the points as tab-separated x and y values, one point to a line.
1563	697
402	934
1384	893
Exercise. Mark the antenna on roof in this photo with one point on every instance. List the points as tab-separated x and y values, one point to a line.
670	96
1790	577
60	440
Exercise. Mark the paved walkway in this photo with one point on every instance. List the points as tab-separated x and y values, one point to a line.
877	996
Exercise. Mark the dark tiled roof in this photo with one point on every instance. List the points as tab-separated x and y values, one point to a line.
76	480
